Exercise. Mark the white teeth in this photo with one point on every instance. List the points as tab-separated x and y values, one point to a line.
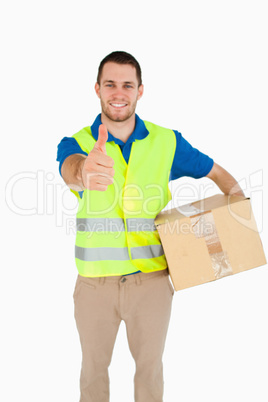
118	104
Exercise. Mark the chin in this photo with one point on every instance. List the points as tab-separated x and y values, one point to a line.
118	118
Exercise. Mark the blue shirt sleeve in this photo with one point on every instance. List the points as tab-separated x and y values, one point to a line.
68	146
189	161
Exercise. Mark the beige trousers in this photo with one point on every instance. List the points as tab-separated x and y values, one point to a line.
143	301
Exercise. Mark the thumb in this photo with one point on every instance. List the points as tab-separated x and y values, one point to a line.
102	139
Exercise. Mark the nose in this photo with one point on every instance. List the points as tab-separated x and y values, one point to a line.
119	93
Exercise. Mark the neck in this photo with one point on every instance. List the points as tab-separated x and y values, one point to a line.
119	129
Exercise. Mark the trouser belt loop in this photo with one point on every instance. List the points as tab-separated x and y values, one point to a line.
138	279
102	280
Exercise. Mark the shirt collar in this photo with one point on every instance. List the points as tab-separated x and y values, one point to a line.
140	132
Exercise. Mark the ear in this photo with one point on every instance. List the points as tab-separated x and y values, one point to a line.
97	89
140	91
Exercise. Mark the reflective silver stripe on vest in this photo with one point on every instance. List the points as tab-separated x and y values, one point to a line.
115	225
101	254
119	254
152	251
140	225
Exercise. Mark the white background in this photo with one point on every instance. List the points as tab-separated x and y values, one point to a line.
205	73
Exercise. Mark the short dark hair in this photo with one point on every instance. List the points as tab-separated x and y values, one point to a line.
120	57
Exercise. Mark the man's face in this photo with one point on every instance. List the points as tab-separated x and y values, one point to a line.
118	91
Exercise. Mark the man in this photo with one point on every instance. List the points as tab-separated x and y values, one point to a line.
119	168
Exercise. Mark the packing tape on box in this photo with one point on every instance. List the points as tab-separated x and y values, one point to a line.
203	225
189	210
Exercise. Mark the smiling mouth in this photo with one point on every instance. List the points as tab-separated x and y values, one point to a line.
118	105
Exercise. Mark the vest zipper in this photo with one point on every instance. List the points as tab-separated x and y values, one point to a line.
125	222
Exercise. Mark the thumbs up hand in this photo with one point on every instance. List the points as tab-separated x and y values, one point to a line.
97	170
102	139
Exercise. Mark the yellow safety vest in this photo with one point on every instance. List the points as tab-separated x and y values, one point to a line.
115	228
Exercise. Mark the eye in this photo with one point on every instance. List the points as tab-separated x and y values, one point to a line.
128	86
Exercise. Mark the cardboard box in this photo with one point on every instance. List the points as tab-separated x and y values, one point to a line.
209	239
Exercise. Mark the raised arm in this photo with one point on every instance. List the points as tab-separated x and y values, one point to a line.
71	171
